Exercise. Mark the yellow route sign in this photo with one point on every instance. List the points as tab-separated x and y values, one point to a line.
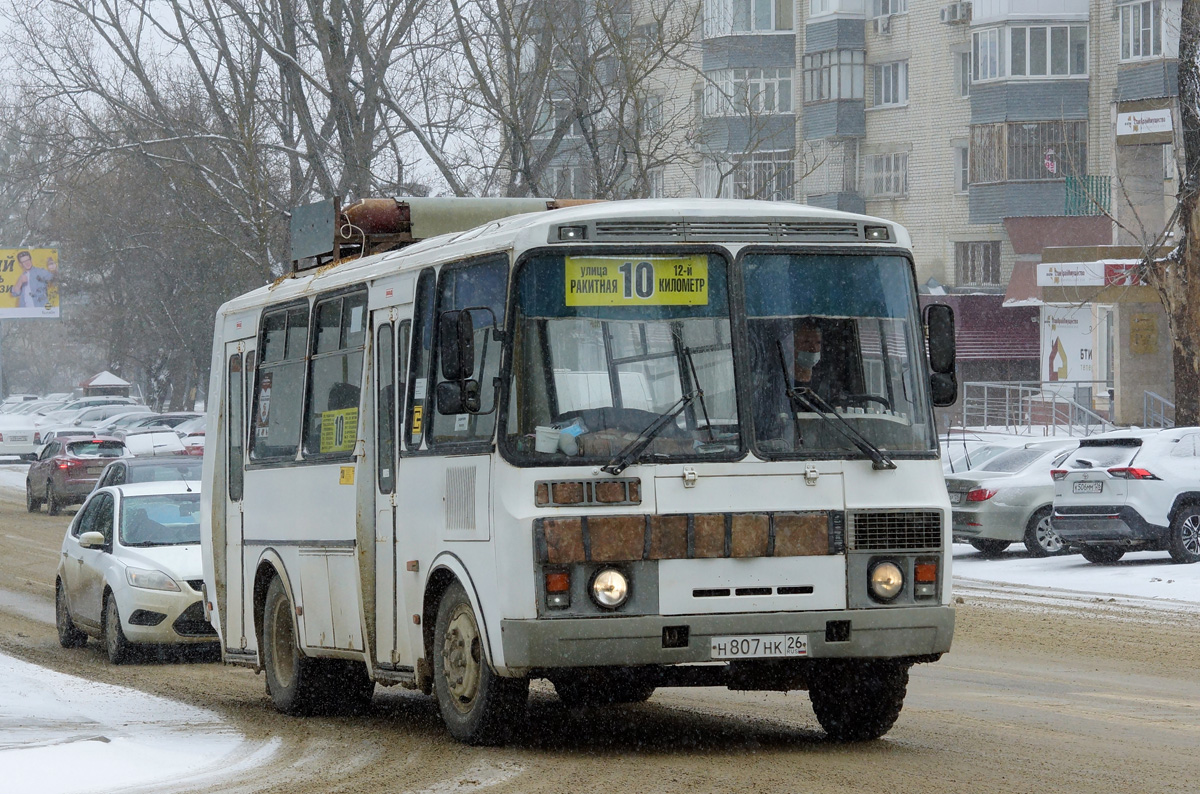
636	281
339	430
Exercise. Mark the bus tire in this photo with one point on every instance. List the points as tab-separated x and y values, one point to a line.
477	705
857	701
600	688
292	677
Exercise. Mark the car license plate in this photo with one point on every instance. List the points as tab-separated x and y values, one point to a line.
955	497
18	438
95	469
760	646
1088	487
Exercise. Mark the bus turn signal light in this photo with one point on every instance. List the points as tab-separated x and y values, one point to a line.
925	572
558	589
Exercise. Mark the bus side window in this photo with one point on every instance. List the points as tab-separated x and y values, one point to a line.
279	389
335	375
385	423
235	402
418	362
481	284
403	339
249	376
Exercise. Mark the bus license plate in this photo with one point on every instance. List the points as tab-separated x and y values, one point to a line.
763	646
1088	487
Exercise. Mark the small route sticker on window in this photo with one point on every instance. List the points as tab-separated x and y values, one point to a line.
644	281
339	430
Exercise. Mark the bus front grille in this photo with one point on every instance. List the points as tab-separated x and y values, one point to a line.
718	231
896	529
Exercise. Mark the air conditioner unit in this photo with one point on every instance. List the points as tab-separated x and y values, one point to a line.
956	13
883	25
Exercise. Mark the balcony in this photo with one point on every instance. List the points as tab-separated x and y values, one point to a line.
1088	195
987	12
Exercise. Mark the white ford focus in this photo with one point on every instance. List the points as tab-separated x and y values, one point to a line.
130	570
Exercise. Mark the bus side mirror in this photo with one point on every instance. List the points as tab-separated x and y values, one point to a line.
458	397
943	385
456	345
939	321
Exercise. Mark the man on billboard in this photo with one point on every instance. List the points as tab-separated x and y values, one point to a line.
30	289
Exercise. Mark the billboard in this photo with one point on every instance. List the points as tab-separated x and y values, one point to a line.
28	283
1066	343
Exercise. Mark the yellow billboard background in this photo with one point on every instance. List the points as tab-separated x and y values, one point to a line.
28	292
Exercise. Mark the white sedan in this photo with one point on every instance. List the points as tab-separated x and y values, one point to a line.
130	571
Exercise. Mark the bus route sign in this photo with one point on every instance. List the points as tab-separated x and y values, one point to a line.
636	281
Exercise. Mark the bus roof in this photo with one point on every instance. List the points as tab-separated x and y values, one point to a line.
633	221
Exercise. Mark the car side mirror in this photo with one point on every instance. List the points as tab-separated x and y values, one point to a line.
456	345
92	540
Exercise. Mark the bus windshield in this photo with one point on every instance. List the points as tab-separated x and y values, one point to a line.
839	333
604	346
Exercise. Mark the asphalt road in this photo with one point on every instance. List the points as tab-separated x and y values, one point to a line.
1051	696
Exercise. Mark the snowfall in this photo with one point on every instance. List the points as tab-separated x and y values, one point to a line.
52	725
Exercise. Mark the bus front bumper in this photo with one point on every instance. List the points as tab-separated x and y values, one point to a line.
640	640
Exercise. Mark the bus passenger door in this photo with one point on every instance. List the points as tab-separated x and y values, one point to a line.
391	329
238	361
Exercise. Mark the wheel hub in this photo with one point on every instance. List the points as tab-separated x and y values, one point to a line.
1047	538
462	660
283	662
1190	535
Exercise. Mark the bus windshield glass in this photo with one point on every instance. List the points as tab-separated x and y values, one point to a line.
839	333
605	346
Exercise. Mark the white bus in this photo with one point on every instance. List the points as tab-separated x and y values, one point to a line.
617	446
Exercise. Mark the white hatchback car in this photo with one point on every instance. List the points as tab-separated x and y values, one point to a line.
1131	490
131	571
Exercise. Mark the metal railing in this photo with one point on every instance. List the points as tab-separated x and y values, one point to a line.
1072	408
1157	411
1088	195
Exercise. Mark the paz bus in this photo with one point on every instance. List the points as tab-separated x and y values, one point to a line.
619	446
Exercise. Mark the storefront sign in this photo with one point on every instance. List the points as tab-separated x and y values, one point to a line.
1144	122
1066	343
1105	273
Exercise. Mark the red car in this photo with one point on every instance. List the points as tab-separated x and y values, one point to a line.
66	470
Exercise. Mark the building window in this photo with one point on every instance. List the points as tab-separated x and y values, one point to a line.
833	167
569	181
883	8
1141	30
985	55
886	175
821	7
977	264
769	176
962	64
1048	51
1028	151
1169	167
891	84
837	74
656	183
652	114
740	91
725	17
962	167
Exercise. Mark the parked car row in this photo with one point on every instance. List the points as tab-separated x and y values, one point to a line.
1104	495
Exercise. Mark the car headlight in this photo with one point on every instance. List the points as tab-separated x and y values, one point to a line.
150	580
610	588
886	580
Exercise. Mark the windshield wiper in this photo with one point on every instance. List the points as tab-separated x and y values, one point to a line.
631	451
810	401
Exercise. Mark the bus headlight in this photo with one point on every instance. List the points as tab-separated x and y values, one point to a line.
610	588
886	580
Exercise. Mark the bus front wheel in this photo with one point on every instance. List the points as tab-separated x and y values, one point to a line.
476	704
291	676
857	700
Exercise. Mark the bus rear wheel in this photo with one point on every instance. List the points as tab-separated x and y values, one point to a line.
477	705
291	676
857	700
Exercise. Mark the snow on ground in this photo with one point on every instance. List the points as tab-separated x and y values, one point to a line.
12	475
1148	577
60	734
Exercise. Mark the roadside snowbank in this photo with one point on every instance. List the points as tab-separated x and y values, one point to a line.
62	735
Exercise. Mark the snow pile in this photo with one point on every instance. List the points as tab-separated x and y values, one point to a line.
12	476
60	735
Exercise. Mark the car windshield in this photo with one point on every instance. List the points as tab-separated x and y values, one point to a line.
1014	460
170	470
96	449
840	328
605	346
160	520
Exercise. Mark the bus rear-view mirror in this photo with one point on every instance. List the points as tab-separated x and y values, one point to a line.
943	387
458	397
939	321
456	345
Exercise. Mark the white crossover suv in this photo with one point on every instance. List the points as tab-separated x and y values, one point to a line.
1131	490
